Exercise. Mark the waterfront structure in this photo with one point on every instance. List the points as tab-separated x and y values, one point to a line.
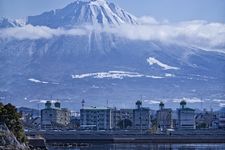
164	117
141	117
186	117
222	118
54	117
96	118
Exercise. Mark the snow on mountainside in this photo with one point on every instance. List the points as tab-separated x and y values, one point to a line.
7	23
114	75
153	61
94	12
37	81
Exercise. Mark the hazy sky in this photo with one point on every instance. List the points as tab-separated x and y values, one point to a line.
172	10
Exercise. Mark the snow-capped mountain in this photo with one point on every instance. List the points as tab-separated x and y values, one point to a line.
6	23
67	63
94	12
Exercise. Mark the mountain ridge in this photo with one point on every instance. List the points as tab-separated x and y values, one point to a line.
9	23
94	12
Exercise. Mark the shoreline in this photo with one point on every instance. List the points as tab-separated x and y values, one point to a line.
77	137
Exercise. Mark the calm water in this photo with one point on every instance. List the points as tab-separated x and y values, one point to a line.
147	147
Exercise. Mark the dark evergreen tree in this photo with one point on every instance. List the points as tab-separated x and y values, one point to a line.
10	116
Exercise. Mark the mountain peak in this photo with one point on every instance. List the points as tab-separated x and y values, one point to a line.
93	12
7	23
98	1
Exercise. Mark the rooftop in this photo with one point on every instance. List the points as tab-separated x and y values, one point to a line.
187	109
96	108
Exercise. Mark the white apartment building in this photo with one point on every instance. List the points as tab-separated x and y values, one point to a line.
96	118
164	119
186	117
142	118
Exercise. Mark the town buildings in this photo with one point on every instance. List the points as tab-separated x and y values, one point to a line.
141	120
222	118
186	117
54	117
206	119
74	121
164	118
96	118
111	118
122	118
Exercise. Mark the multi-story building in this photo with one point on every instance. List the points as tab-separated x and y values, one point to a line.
54	117
122	116
164	118
222	118
186	117
110	118
96	118
141	119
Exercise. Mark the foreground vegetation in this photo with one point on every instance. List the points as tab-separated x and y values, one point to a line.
10	117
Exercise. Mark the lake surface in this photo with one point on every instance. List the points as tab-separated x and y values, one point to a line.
147	147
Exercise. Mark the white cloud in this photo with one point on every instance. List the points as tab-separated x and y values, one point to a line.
209	36
42	101
201	34
147	20
219	100
222	104
169	75
189	100
152	101
38	32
